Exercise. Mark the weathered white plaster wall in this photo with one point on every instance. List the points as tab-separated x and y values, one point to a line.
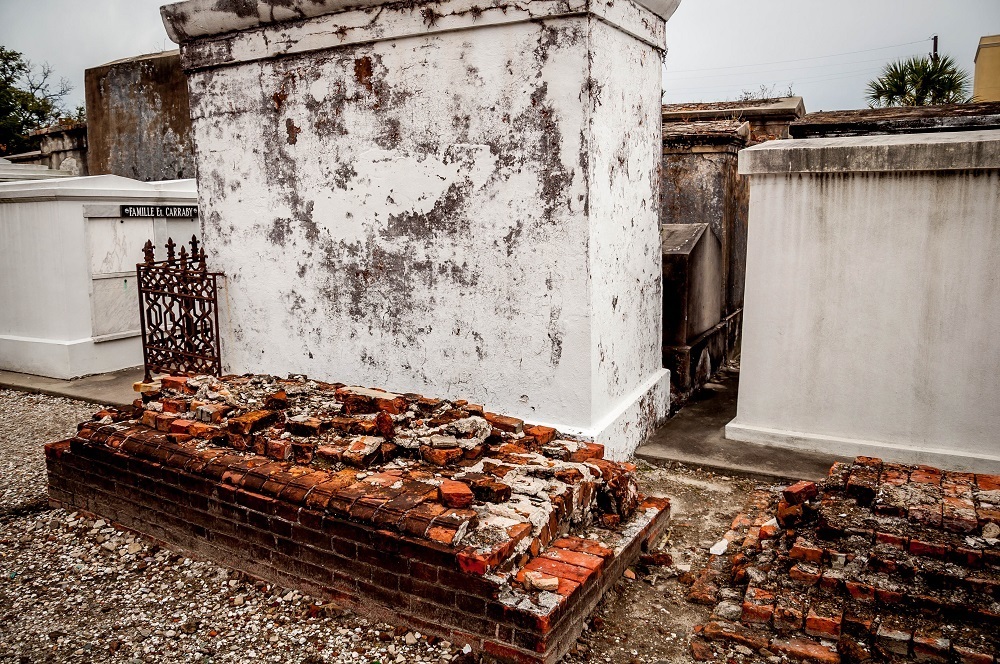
68	299
871	305
442	199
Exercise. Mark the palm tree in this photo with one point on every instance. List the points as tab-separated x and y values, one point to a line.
920	81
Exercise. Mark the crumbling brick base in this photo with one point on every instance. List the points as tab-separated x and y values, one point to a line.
382	541
882	562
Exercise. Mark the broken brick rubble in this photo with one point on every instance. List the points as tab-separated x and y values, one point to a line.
881	562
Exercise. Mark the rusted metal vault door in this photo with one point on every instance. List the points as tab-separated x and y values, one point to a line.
179	312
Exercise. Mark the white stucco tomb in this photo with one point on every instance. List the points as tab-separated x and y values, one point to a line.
872	307
68	298
453	197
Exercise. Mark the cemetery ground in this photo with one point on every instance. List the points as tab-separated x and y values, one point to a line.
76	589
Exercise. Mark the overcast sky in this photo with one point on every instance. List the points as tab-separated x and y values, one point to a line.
826	51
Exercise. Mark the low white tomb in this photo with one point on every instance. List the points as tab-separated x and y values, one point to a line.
68	298
873	298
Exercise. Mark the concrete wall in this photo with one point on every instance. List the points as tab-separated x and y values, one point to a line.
443	198
871	316
701	185
68	299
138	122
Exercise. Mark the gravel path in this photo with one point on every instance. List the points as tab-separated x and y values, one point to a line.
27	422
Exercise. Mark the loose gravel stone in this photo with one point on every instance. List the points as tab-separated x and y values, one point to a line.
27	422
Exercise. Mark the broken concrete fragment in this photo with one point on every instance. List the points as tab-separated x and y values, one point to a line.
443	442
362	451
541	581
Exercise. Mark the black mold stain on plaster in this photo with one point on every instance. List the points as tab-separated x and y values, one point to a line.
280	231
241	8
378	280
292	131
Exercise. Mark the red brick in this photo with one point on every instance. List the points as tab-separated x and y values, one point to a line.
988	482
544	435
212	412
504	423
180	426
788	514
279	449
859	591
926	476
930	549
592	547
455	494
148	418
163	421
805	650
175	406
440	457
253	421
718	631
893	540
701	651
574	558
822	624
803	550
309	426
800	492
804	573
176	383
931	648
587	452
966	655
555	568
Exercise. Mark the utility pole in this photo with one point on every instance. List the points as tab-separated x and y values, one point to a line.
934	55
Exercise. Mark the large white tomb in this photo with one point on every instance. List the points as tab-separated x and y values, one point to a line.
451	197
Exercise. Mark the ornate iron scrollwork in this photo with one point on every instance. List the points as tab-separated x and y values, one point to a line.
179	312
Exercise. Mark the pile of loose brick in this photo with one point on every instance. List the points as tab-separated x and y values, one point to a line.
881	562
459	522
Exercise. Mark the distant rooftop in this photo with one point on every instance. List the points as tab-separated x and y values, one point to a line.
792	107
898	120
677	135
137	58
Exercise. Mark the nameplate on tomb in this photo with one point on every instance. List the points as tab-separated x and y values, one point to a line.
168	211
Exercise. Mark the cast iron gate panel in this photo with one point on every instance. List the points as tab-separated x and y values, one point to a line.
179	312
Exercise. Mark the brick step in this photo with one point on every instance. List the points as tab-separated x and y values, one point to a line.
880	562
955	501
915	638
803	616
795	648
851	558
841	518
